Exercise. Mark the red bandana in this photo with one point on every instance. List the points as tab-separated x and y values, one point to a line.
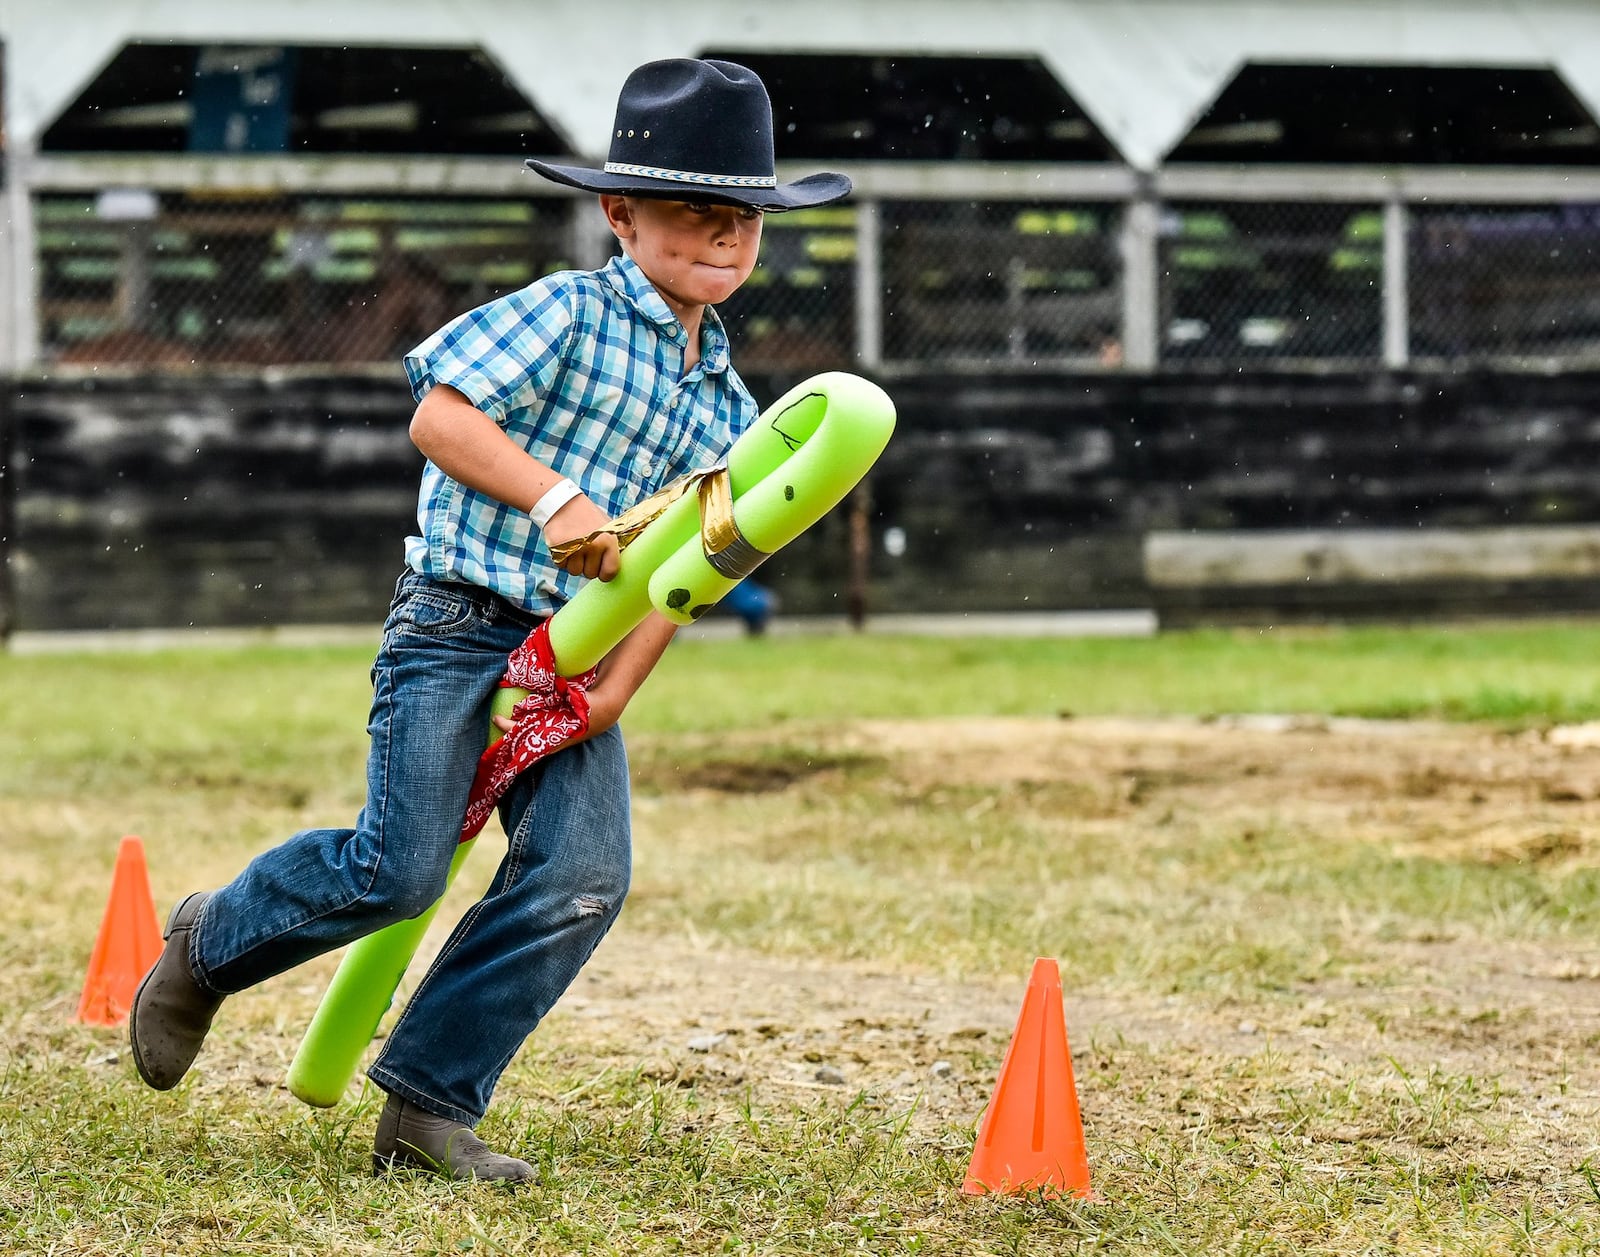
555	712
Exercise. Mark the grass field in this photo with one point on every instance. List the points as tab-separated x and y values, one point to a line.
1324	903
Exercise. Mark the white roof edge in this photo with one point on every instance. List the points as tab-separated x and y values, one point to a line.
1143	70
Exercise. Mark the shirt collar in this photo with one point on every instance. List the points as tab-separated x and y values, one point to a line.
713	343
624	275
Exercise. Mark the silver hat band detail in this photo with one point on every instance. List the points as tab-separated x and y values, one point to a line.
691	176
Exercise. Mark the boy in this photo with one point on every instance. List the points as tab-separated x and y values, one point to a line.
542	415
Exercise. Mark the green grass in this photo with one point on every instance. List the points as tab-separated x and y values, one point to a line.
1530	674
1536	673
1327	1020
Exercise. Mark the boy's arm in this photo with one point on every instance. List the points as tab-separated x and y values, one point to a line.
623	671
471	448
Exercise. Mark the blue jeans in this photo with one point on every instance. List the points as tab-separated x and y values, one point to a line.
556	893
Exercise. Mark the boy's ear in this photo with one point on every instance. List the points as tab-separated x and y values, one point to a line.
619	215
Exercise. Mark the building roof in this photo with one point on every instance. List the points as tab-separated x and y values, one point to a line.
1142	71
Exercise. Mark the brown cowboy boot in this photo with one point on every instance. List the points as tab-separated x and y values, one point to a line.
409	1136
171	1011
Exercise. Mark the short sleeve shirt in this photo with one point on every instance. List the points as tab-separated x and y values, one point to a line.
585	371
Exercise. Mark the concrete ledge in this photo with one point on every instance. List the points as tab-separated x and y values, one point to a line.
148	641
1132	623
1327	557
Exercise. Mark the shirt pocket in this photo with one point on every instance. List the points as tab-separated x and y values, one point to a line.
633	454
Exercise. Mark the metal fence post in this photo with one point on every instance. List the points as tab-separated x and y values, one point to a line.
592	241
1141	297
19	324
8	514
860	551
1396	288
869	286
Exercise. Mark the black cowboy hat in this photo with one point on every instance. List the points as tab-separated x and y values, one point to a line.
691	130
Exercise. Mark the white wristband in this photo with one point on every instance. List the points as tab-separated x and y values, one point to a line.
555	497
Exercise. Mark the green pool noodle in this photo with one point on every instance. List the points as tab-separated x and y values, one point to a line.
824	435
362	989
836	426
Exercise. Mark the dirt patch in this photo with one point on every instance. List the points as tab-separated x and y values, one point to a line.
1444	1004
1451	791
762	771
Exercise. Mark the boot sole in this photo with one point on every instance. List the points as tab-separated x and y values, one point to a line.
384	1163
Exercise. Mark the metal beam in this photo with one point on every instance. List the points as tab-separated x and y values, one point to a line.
986	181
1141	297
909	181
435	176
932	181
1396	285
9	210
869	285
1504	185
19	281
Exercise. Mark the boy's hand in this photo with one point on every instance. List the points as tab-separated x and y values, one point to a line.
604	711
599	554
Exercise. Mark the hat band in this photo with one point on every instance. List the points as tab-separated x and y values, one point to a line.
691	176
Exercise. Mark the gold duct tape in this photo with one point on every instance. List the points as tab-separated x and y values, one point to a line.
717	527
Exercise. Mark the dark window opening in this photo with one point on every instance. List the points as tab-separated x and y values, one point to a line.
1505	281
830	107
1410	115
166	98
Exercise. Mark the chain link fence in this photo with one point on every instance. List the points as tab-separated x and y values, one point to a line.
187	279
1505	282
1003	283
183	279
1267	281
798	310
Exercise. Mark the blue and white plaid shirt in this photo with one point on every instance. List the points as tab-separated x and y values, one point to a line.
584	370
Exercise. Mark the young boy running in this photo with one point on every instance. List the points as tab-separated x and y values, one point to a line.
542	415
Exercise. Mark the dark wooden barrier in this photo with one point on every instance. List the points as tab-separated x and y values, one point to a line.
283	497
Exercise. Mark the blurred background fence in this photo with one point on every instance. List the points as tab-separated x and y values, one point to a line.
183	279
1143	271
1200	268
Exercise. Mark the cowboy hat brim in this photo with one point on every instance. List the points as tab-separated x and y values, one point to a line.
818	189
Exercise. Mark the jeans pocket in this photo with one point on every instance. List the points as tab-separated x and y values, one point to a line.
431	611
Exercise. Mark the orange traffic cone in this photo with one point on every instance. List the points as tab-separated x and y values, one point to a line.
128	944
1031	1137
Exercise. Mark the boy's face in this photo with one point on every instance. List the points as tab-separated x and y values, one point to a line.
694	252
